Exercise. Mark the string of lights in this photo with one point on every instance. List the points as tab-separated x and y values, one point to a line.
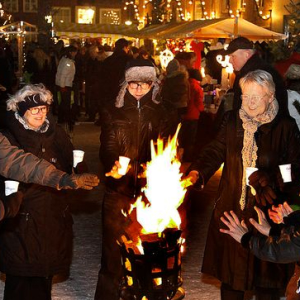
259	5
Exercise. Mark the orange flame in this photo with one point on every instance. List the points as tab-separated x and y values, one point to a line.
165	189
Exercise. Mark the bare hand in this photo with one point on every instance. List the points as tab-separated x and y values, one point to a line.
114	171
192	177
262	225
278	213
236	229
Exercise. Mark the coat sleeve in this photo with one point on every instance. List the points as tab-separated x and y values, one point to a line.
17	165
283	249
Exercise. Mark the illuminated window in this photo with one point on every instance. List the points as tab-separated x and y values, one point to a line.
110	16
85	15
11	5
62	14
198	10
30	5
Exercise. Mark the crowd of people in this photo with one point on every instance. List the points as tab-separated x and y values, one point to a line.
125	92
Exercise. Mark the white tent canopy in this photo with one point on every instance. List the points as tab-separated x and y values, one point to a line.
217	28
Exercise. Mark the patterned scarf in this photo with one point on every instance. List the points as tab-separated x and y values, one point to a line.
249	151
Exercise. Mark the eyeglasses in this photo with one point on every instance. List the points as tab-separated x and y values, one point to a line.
36	110
253	97
143	85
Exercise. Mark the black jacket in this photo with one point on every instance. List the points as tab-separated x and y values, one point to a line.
278	143
281	246
127	131
38	241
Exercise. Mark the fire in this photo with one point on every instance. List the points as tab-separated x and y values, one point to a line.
165	189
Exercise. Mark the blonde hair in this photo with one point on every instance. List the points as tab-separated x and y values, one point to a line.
29	90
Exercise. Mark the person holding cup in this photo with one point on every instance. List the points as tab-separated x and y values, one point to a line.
257	135
40	244
127	129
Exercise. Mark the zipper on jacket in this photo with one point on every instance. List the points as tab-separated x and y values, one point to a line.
138	148
26	215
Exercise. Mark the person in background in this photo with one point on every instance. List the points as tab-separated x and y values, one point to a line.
93	75
134	52
278	243
40	244
113	70
244	59
188	132
64	81
136	118
175	90
256	135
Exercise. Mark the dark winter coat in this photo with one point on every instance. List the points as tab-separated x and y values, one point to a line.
38	241
278	143
175	90
255	63
113	72
127	131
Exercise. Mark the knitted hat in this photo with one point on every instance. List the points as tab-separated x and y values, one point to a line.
29	102
141	70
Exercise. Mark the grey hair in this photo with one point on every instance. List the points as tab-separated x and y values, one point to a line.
28	90
260	77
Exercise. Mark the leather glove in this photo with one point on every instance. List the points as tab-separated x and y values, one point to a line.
261	182
84	181
12	204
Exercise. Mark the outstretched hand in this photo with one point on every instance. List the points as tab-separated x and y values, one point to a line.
114	172
262	225
236	229
277	214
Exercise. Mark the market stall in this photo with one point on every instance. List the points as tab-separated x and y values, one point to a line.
109	32
23	31
210	29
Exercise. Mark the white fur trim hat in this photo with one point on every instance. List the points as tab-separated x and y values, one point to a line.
138	70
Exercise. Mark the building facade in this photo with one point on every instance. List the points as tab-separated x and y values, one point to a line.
270	14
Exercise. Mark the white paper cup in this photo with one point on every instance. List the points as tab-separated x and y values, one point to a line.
249	171
77	157
285	171
124	161
11	186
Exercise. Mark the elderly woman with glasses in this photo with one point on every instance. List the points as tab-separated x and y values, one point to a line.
136	118
260	136
37	243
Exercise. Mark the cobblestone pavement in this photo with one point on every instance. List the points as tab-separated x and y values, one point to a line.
86	209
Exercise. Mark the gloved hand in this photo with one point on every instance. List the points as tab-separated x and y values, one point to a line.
84	181
12	204
261	182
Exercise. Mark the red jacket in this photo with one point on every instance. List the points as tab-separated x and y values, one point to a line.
195	104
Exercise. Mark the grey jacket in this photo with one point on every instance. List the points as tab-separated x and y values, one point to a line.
17	165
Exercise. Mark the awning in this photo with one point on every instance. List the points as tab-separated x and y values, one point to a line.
18	27
73	30
174	28
209	29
